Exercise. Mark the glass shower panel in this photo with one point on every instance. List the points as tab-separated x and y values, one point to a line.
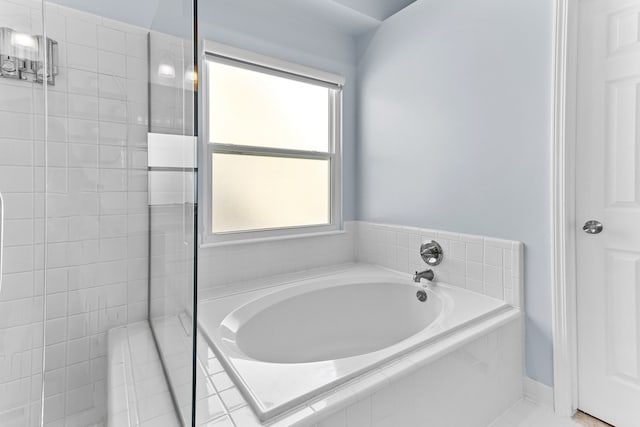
94	193
22	127
172	166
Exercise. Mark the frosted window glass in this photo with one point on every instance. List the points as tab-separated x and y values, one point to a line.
259	192
251	108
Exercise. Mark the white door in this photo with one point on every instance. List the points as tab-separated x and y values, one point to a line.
608	190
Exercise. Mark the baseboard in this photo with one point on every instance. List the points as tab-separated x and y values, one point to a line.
539	393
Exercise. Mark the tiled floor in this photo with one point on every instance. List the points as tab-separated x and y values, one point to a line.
529	414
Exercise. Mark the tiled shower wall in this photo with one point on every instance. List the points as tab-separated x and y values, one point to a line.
96	212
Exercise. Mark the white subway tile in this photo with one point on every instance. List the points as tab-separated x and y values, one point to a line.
16	286
82	33
112	157
17	99
113	180
56	154
114	64
82	57
111	40
136	68
475	285
113	249
15	152
136	45
82	179
54	368
492	275
507	279
83	107
474	271
17	259
475	252
16	125
137	90
113	110
493	256
507	259
18	232
82	82
112	87
83	156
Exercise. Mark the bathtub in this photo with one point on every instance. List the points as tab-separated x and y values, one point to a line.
294	340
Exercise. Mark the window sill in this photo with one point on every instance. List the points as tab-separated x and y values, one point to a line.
271	239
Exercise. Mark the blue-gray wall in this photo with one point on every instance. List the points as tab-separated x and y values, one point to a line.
454	133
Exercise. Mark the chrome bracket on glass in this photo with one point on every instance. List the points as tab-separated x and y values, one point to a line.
431	253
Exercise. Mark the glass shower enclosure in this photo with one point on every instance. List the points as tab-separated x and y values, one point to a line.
98	167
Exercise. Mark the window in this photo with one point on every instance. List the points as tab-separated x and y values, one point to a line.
273	147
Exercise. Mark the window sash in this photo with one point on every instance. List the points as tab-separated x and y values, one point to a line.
334	155
220	52
250	150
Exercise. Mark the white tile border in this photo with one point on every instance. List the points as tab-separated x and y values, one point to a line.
482	264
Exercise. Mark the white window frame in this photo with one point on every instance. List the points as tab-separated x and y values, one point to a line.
221	53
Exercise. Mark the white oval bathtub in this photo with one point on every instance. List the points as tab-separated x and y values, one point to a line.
331	323
288	342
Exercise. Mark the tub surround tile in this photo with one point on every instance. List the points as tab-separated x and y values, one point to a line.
222	266
367	401
353	402
219	306
482	264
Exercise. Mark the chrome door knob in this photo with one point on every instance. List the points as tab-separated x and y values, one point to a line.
592	227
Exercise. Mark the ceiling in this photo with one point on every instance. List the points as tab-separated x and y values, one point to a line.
354	17
351	16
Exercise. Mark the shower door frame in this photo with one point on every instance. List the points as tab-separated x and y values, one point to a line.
564	286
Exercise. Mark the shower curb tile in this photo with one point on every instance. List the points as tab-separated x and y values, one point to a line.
124	401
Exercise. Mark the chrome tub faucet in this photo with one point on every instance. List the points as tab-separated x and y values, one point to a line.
426	274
